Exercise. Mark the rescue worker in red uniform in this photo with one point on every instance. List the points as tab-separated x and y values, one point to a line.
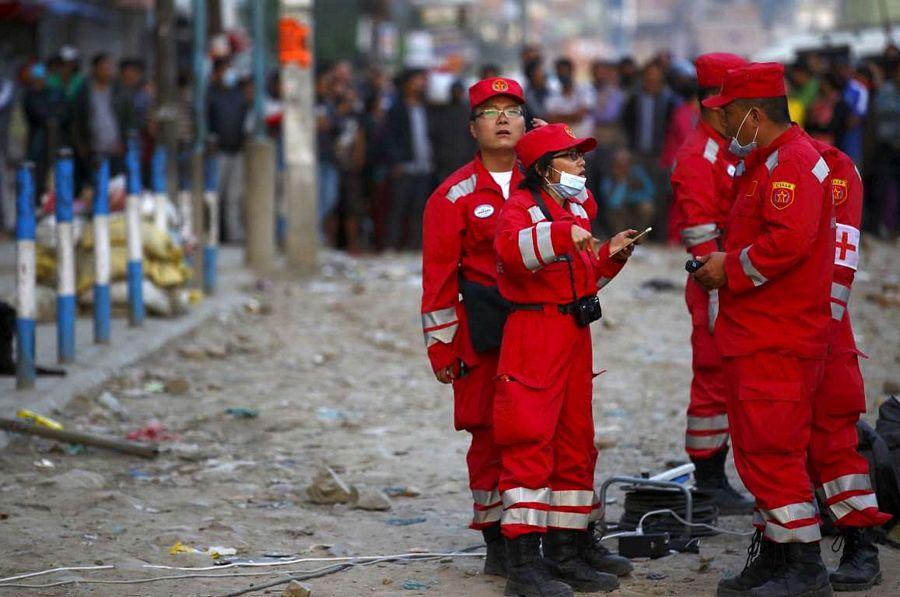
838	471
702	181
550	269
774	281
457	248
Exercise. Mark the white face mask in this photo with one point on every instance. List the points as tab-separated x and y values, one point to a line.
735	146
569	185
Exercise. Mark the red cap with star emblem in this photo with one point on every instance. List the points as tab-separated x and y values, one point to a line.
756	80
711	68
485	89
551	138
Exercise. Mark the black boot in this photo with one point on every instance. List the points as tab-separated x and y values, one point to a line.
710	476
562	556
495	558
859	569
763	560
802	575
527	574
599	557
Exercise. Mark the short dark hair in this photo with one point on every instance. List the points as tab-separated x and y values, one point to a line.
534	180
564	62
775	108
705	92
98	58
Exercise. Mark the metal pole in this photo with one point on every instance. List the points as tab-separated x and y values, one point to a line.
298	130
259	67
101	255
65	258
26	310
135	272
198	191
211	239
158	176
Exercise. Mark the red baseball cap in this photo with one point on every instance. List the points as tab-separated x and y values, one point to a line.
711	68
759	79
485	89
550	138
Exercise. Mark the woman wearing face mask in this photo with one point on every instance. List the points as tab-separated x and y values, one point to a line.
550	270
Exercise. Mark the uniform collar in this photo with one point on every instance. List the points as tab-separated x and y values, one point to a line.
712	133
762	154
484	180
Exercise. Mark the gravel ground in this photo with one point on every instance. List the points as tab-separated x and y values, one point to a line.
336	370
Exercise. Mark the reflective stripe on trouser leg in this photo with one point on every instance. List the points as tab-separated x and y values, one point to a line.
524	506
570	508
487	507
792	523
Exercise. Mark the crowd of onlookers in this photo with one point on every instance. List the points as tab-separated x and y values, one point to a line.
384	143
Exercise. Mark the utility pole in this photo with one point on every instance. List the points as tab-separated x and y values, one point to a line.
199	97
259	195
166	92
295	32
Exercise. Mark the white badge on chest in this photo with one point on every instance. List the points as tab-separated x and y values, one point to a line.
484	211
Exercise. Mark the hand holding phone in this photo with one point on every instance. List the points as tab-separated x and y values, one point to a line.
636	239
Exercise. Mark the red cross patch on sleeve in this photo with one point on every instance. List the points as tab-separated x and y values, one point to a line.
838	190
782	194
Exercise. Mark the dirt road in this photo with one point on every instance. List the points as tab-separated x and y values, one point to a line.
336	370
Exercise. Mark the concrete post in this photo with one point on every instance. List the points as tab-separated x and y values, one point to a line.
260	198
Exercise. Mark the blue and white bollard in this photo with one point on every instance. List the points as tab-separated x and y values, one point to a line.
65	258
26	307
135	271
160	198
211	242
101	255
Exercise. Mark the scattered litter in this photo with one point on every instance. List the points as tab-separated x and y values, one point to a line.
296	589
4	515
177	386
891	387
147	509
39	420
402	491
657	576
327	414
372	500
75	449
659	285
137	473
117	529
328	488
180	547
404	522
413	585
44	463
217	551
112	404
242	412
704	564
79	479
151	432
154	387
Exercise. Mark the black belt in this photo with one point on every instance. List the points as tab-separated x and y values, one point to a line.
567	309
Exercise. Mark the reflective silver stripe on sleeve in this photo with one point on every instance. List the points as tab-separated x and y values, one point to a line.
529	516
715	423
572	497
568	520
462	188
518	495
444	335
705	442
757	278
772	161
545	242
438	318
840	292
695	235
837	311
526	248
486	498
820	170
857	482
578	210
711	150
601	282
805	534
536	214
713	309
791	512
489	515
856	503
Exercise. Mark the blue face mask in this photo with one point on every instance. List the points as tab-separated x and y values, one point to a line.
736	148
569	185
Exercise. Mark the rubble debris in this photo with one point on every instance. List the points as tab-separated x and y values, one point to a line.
328	488
79	479
242	412
372	500
296	589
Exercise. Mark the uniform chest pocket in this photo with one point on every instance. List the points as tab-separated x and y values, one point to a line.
746	206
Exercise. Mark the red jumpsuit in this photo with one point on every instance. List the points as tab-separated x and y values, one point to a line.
458	234
839	472
772	328
542	409
702	185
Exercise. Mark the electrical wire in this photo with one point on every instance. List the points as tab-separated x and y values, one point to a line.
640	526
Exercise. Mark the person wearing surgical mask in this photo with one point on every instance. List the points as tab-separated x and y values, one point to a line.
550	270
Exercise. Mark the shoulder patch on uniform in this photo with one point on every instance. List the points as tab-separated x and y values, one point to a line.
462	188
820	170
485	210
782	194
711	150
838	190
772	161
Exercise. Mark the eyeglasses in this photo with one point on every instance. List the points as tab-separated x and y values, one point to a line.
494	113
572	155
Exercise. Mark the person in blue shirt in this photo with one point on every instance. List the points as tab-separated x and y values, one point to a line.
628	193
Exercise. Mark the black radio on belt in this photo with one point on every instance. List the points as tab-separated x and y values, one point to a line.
586	310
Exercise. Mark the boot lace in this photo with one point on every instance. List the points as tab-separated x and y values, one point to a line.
753	549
